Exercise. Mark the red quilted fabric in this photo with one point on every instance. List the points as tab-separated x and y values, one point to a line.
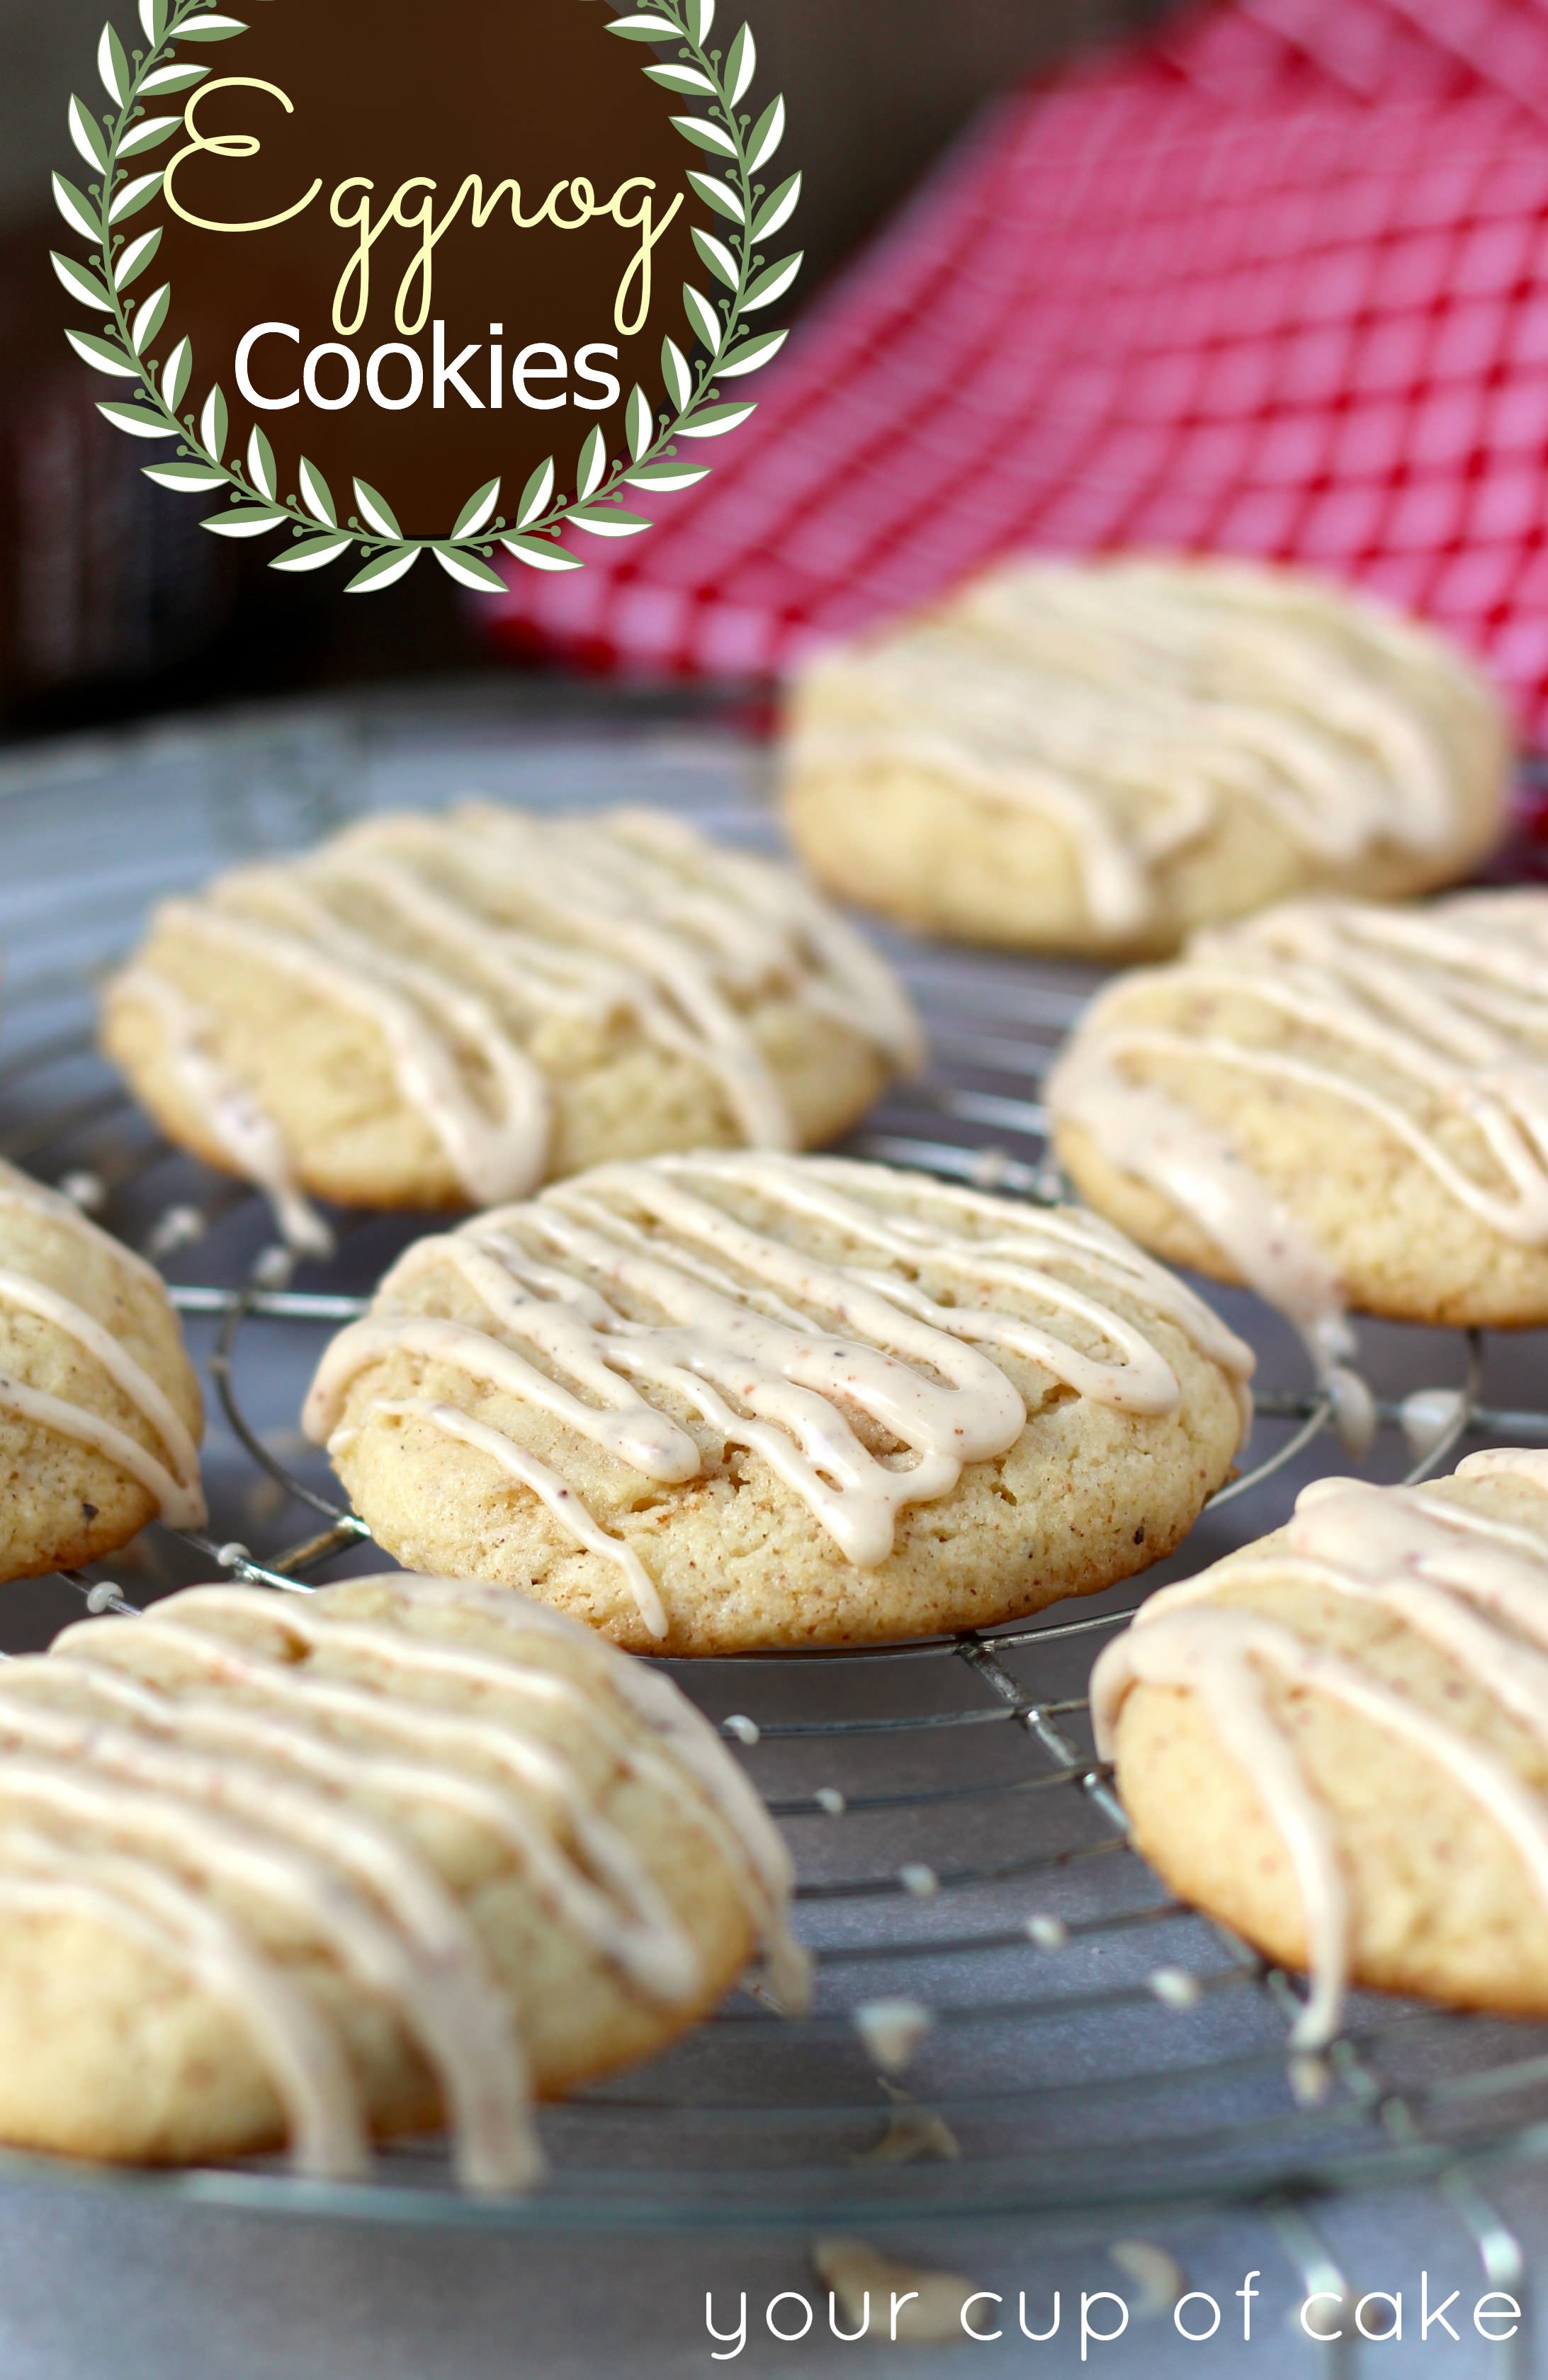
1277	285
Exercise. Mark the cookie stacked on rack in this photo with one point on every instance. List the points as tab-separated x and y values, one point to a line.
306	1870
434	1011
1095	758
100	1407
730	1403
1342	1105
1336	1741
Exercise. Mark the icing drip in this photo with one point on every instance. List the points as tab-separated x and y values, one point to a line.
459	938
249	1138
1129	704
638	1289
1431	1022
561	1500
381	1914
1471	1582
1144	1131
286	1758
40	1876
171	1476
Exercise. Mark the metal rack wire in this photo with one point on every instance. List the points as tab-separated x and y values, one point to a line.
1012	2016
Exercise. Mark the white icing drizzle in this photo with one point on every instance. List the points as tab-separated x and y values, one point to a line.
1470	1581
1432	1023
640	1937
749	1833
458	937
172	1476
294	1784
249	1138
545	1482
380	1911
1129	702
1145	1131
40	1876
771	1347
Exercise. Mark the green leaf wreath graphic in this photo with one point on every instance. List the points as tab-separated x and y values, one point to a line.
723	345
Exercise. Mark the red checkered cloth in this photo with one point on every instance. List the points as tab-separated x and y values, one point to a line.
1277	286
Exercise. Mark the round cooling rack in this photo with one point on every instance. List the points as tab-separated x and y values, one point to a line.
1080	2043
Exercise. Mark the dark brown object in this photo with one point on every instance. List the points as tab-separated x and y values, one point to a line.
113	598
538	94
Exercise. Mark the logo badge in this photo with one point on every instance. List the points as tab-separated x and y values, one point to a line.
448	291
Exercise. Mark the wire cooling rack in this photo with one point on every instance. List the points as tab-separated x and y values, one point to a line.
1012	2016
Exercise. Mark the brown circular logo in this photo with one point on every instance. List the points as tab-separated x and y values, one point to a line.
450	280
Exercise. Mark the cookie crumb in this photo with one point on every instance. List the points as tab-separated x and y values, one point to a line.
1426	1416
912	2133
86	1190
892	2030
1310	2079
180	1227
1175	1987
1157	2273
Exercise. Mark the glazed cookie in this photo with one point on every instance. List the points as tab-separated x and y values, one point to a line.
1095	757
1334	1102
312	1868
100	1412
449	1011
715	1403
1336	1741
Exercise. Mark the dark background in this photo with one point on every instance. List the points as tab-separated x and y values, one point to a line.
115	601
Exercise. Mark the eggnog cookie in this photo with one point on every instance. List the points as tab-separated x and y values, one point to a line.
1335	1103
447	1011
306	1869
714	1403
1336	1741
100	1412
1094	757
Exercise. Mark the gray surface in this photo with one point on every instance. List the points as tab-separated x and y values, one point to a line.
145	2294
